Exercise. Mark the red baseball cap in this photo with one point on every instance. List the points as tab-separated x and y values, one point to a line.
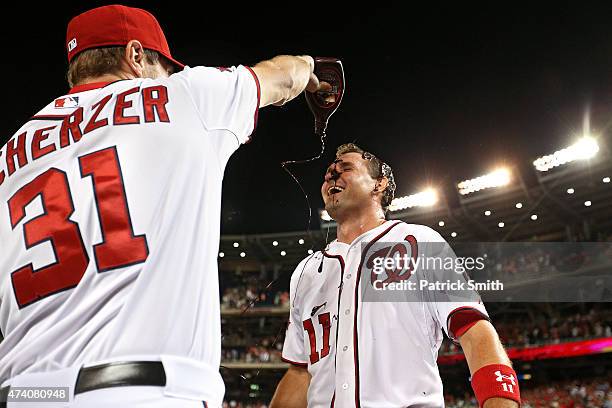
116	25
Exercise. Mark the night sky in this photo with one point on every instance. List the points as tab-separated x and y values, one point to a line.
441	94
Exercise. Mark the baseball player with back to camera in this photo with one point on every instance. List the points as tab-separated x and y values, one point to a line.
110	218
347	352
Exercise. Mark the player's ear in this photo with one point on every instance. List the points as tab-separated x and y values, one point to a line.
381	185
135	58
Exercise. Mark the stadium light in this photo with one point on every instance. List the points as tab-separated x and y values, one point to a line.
242	254
606	180
441	223
534	217
570	191
497	178
301	241
501	225
585	148
221	254
325	216
519	205
587	203
236	245
425	198
283	253
310	252
487	213
274	243
454	234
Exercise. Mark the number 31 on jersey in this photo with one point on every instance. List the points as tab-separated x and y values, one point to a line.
119	247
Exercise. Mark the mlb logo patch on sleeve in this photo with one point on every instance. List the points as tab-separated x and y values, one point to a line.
67	102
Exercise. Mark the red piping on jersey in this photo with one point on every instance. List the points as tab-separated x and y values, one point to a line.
295	363
258	100
355	338
468	317
88	87
339	258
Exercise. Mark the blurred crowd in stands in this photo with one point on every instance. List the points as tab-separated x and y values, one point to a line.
235	404
252	292
525	260
531	332
266	350
566	394
575	327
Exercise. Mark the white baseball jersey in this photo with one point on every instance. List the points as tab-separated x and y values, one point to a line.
110	202
367	353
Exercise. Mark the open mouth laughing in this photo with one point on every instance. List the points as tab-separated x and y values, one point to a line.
334	190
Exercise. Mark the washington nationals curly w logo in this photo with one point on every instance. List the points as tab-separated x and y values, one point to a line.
394	263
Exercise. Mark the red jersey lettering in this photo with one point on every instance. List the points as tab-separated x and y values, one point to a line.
94	123
71	125
121	105
2	175
40	136
154	99
19	151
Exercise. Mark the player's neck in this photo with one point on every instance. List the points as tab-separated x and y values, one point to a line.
105	78
355	224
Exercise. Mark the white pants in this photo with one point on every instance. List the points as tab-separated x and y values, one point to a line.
132	397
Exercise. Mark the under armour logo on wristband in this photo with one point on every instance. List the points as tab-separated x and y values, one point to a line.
501	377
496	381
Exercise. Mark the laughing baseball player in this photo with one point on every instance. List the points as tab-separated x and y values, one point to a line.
110	218
346	351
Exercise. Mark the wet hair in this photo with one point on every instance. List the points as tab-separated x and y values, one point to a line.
377	168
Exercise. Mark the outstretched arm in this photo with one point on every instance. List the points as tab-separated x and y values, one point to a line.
284	77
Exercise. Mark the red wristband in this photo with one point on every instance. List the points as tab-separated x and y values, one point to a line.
495	381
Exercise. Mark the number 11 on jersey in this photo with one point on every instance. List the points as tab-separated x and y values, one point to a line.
325	322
